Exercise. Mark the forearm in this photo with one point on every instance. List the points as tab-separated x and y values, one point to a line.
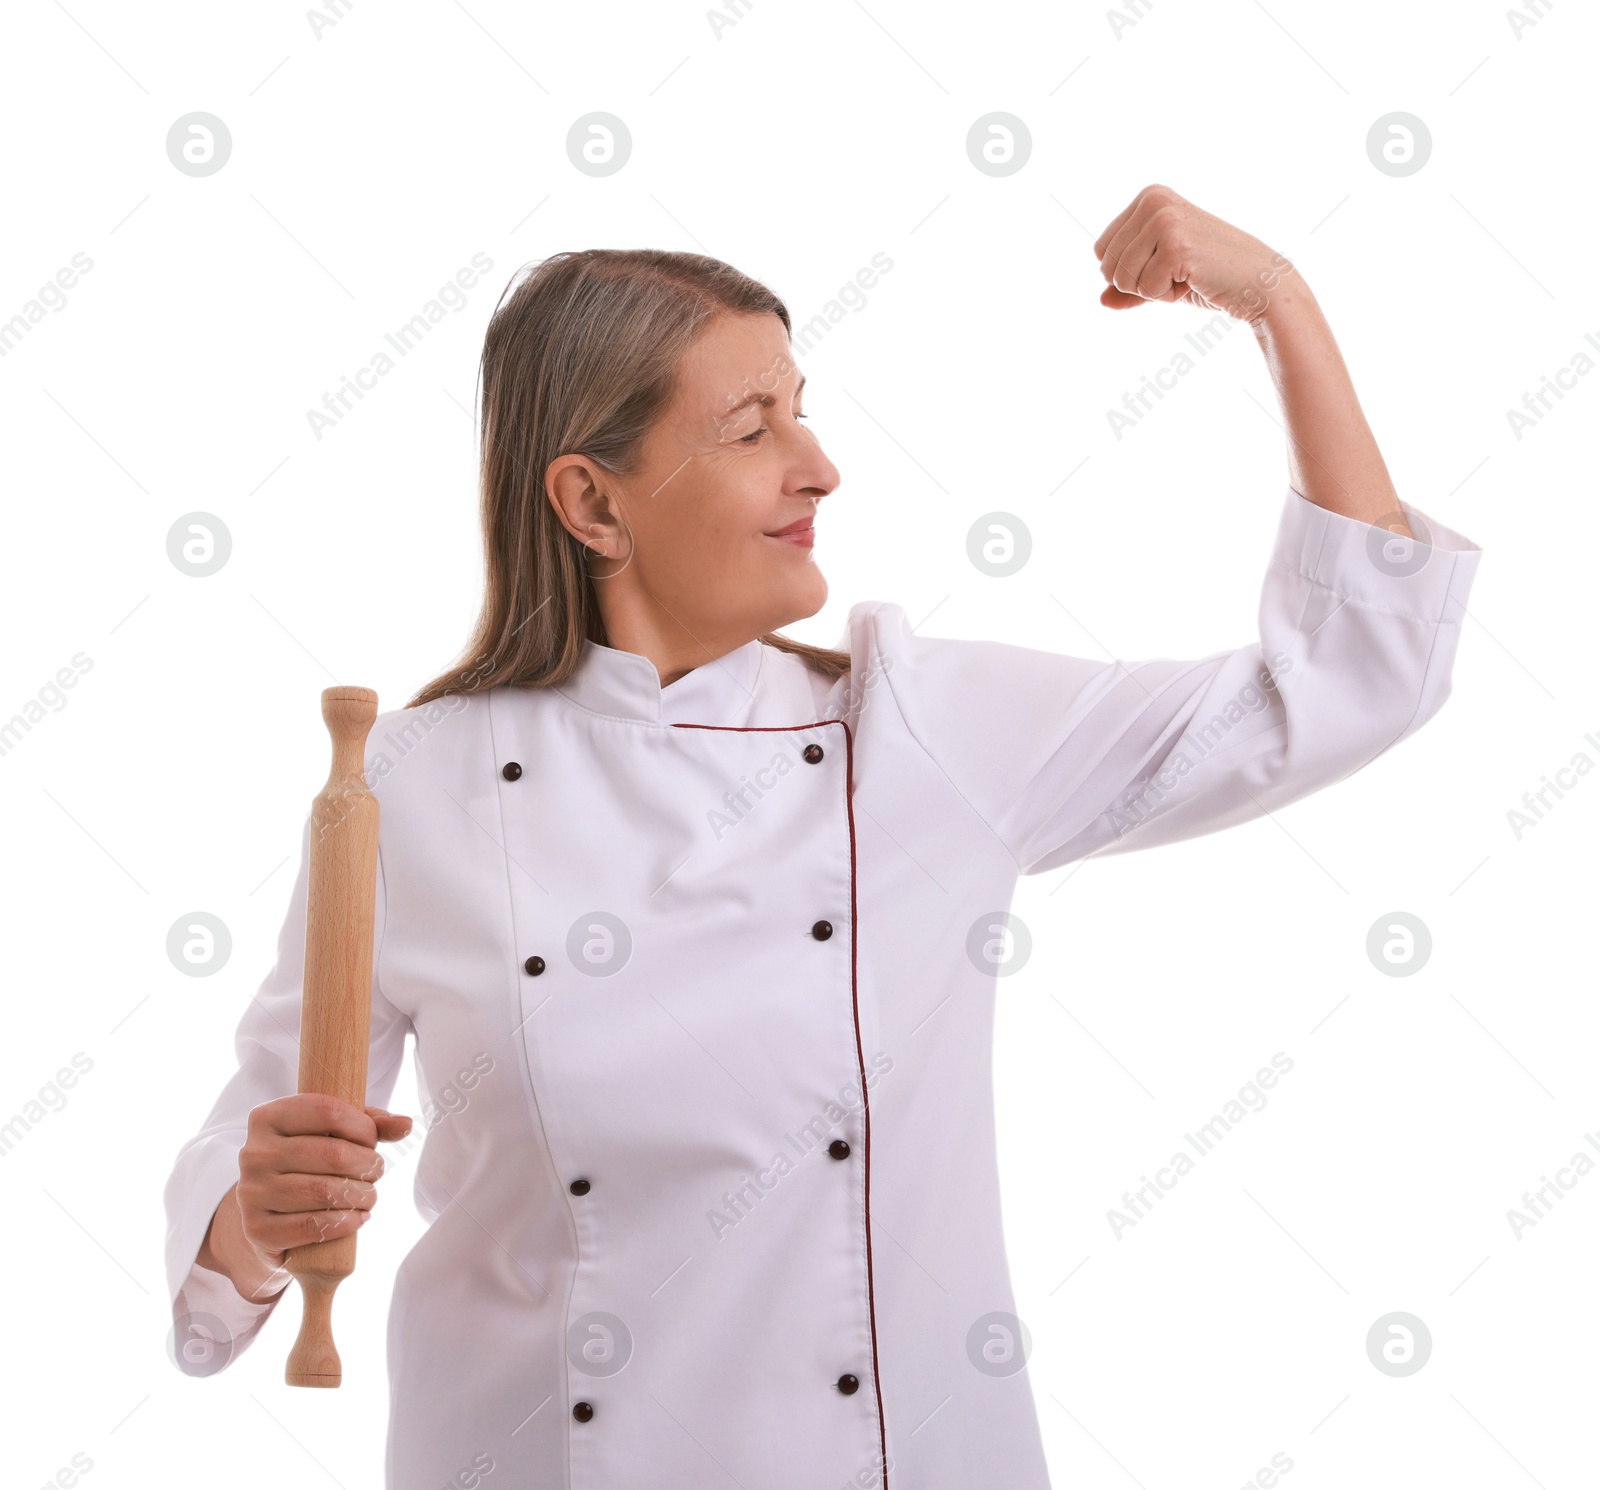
227	1250
1334	460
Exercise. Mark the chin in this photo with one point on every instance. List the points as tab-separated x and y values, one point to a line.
800	602
814	597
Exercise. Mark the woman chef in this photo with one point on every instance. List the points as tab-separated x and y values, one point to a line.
668	900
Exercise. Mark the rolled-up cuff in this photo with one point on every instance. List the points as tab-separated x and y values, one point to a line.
211	1320
1426	578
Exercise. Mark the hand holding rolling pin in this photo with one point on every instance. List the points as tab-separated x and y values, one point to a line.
309	1166
308	1172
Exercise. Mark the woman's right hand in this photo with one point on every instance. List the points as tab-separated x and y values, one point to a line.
308	1171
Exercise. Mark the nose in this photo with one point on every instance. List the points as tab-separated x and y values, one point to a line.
815	476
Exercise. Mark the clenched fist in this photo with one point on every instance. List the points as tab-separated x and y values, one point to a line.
1161	247
308	1172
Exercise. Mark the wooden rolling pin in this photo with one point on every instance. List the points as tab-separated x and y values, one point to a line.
336	1012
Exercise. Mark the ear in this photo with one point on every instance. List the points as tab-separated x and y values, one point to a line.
578	491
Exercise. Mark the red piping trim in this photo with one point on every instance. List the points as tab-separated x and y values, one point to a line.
855	1016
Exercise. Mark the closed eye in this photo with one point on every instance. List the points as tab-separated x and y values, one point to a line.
755	435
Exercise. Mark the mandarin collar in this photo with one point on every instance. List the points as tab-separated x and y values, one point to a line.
625	685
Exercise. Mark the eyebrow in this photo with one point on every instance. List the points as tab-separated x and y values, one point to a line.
764	399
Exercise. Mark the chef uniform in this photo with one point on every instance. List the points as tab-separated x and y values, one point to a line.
709	970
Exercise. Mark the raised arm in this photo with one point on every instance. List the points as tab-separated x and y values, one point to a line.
1062	757
1161	247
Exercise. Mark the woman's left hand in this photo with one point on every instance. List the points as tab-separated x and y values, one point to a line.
1161	247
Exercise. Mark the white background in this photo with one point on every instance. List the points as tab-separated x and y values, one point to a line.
369	163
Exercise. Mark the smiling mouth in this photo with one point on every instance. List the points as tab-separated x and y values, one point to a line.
800	533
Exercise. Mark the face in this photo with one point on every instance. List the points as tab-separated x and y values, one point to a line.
686	552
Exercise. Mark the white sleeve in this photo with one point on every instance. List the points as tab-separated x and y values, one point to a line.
1065	757
212	1320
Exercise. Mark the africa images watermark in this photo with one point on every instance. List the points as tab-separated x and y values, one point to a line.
414	727
1537	1205
50	296
404	339
1137	402
1538	802
739	802
1538	404
806	1139
1253	300
1199	741
51	1097
1251	1098
50	697
453	1097
849	297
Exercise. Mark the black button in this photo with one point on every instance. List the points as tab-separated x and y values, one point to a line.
848	1383
582	1411
839	1149
511	770
822	930
579	1187
534	965
813	753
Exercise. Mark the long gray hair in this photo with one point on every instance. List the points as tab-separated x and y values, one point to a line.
580	358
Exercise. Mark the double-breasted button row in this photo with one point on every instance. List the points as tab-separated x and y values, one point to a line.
847	1383
512	770
584	1411
535	965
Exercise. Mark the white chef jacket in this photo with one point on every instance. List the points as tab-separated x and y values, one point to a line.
690	954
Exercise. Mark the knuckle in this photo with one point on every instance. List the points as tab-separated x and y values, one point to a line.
329	1110
1173	231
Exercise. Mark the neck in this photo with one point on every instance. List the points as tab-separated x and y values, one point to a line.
674	646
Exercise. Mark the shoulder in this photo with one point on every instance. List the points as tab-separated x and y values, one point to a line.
881	637
409	744
872	610
960	683
867	620
875	637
